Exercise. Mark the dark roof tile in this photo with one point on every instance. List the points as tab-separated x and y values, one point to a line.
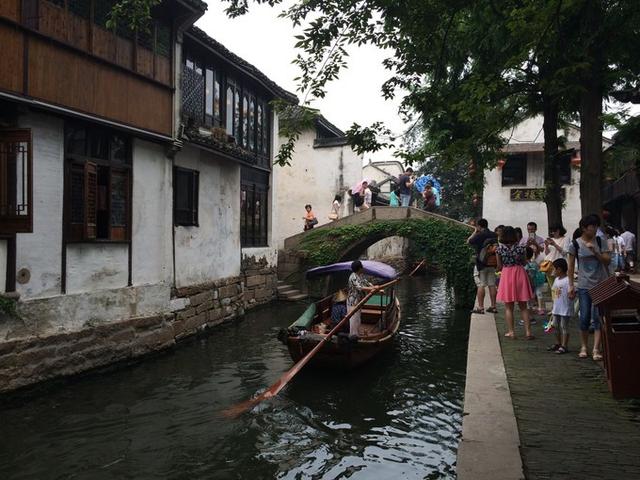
242	64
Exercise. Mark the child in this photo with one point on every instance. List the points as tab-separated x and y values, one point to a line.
562	306
537	278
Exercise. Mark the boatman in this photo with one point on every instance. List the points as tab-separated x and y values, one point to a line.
358	287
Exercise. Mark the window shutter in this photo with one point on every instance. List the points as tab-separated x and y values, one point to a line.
119	202
90	200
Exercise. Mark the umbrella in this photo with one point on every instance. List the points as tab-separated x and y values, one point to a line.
421	184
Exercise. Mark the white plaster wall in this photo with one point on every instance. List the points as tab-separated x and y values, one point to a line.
530	131
315	176
92	267
64	313
268	253
498	208
388	247
210	251
40	252
152	214
370	172
3	265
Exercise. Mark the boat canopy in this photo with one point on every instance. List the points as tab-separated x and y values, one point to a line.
376	269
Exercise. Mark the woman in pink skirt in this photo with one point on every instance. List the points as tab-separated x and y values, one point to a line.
514	282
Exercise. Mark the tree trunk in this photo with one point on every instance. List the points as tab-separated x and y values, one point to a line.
591	168
553	189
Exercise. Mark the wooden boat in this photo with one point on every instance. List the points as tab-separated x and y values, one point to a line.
380	322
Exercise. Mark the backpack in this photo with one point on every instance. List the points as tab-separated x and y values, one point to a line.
576	247
487	255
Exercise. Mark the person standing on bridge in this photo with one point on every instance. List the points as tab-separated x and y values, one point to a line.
335	208
357	193
405	183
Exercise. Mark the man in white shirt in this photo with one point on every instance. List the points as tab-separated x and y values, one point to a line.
532	237
630	248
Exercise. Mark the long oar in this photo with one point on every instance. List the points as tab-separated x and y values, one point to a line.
273	390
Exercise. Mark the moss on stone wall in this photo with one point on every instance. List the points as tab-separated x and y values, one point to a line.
441	243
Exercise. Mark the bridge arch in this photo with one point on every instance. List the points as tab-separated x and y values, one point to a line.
441	240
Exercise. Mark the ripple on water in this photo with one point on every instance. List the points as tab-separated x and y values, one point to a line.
399	418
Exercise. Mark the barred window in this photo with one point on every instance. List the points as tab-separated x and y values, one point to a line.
16	182
185	196
514	171
254	190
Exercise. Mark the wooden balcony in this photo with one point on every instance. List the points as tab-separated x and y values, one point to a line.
56	56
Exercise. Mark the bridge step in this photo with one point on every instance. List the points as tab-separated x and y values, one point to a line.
289	293
296	298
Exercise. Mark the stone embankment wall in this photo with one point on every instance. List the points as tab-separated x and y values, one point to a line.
32	359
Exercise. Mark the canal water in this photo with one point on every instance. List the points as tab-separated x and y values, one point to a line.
400	418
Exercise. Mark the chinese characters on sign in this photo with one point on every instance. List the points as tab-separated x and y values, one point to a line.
530	194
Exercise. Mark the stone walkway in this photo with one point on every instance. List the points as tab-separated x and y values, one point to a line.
570	426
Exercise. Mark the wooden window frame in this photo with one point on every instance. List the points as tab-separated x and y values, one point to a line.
254	185
520	157
180	220
12	223
240	128
564	169
83	228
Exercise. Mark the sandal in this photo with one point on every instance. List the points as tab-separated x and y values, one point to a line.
597	356
561	350
478	310
510	335
492	310
554	347
583	353
530	337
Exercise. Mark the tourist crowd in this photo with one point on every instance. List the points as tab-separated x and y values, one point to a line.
517	268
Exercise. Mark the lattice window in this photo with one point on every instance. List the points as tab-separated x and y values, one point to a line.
16	182
192	94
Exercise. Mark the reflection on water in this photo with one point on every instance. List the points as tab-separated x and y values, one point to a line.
399	417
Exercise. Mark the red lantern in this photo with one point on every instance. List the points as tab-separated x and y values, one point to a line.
472	167
475	200
576	160
501	163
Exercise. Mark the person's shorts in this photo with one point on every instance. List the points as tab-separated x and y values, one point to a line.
485	277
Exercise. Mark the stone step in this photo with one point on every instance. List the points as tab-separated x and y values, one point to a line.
284	289
295	298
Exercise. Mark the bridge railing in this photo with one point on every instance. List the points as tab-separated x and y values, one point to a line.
371	215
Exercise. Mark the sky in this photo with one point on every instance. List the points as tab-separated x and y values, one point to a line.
267	42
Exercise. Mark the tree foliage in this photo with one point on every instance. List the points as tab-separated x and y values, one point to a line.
135	14
472	69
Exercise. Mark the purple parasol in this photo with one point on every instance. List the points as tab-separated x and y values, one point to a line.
377	269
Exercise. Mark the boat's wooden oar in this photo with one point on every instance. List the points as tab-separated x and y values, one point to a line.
274	389
417	268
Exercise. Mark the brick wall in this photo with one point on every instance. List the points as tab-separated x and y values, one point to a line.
196	308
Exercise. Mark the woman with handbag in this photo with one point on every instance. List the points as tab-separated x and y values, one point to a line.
309	219
334	214
555	247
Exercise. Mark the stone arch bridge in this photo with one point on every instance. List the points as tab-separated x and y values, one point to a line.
442	239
